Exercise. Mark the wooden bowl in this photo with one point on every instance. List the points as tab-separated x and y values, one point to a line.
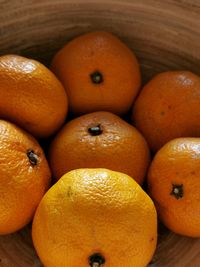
165	35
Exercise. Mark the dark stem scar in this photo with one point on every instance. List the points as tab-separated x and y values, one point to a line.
96	260
33	158
96	77
177	191
95	130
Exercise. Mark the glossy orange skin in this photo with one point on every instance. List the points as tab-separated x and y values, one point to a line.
168	107
22	184
95	211
177	163
31	96
119	147
103	52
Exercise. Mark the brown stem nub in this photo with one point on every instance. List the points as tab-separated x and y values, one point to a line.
96	77
33	158
96	260
95	130
177	190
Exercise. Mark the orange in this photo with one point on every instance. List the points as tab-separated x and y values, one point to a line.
99	72
31	96
25	177
95	217
168	107
99	140
174	185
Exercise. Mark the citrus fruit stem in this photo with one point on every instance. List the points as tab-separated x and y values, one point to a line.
96	260
177	191
96	264
96	77
95	130
33	158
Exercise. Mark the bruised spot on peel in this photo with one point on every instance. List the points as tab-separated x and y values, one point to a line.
151	239
69	192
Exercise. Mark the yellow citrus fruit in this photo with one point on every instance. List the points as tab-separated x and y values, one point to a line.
24	177
95	217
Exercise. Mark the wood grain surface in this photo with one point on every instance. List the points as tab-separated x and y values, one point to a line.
165	35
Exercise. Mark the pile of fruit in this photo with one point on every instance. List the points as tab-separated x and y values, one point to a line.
105	137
